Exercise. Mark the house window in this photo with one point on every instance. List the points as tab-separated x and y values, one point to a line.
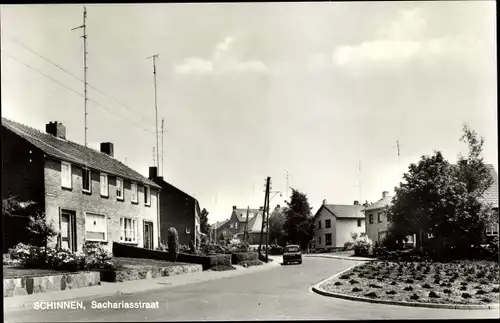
188	230
328	223
86	187
328	239
370	218
147	195
119	189
128	230
381	236
492	228
379	217
319	240
430	235
359	223
319	224
95	227
133	188
104	185
65	174
236	225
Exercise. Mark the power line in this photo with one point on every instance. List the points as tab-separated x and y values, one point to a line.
72	75
74	91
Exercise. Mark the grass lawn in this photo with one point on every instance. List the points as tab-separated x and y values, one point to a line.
123	262
16	271
464	282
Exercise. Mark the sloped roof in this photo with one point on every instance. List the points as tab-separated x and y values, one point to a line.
75	153
255	224
383	202
166	185
217	225
345	211
241	214
491	194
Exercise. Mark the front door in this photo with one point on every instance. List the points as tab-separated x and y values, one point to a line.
148	235
68	230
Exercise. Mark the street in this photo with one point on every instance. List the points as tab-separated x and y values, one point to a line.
282	293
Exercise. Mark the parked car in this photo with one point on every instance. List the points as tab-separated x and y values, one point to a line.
292	254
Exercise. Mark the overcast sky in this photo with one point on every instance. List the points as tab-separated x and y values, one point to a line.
249	90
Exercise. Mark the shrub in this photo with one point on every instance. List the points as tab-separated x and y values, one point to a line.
408	288
162	247
239	257
434	295
357	289
466	295
352	282
363	246
447	291
427	286
173	244
348	246
210	249
222	268
481	292
345	276
96	256
371	294
414	297
338	284
393	283
375	286
391	292
494	290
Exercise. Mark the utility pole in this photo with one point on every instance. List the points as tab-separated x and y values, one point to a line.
398	147
245	234
266	202
154	57
84	26
162	147
267	221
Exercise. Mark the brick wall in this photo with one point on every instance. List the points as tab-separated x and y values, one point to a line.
177	210
57	198
322	216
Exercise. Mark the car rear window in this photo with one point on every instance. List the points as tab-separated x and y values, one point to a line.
292	249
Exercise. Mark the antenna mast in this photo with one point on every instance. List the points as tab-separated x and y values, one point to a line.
360	191
154	57
84	26
287	184
153	155
162	147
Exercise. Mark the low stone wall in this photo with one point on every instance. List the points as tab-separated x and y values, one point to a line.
128	274
42	284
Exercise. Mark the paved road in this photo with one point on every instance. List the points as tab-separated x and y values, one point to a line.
279	293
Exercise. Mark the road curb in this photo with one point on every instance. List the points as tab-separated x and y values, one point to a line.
339	257
17	303
317	289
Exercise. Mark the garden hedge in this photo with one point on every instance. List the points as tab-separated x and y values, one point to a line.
207	261
123	250
238	257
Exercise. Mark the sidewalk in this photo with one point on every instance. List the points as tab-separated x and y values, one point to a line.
334	256
129	287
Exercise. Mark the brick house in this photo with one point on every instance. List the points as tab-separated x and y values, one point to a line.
333	224
236	223
87	194
178	210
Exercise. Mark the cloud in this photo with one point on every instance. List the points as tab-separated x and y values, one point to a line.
222	61
402	40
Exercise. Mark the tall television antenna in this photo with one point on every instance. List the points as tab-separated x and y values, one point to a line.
162	146
154	57
85	84
360	190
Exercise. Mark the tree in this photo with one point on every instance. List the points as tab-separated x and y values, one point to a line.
276	227
299	223
444	200
42	229
204	226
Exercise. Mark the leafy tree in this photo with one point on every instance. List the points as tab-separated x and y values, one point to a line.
204	226
42	229
299	223
444	200
276	227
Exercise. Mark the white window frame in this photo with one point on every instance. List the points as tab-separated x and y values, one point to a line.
66	182
134	192
104	175
147	195
105	227
84	170
121	197
188	230
134	228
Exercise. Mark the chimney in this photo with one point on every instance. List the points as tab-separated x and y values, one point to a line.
234	207
356	203
107	148
324	202
385	194
261	208
56	129
153	172
278	206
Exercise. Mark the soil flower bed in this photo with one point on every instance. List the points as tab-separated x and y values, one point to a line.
464	282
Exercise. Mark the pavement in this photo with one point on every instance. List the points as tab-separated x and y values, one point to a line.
338	256
275	293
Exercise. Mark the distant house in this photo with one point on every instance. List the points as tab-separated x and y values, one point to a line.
237	221
87	194
334	224
178	210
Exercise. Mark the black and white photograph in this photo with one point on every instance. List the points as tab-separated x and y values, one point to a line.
249	161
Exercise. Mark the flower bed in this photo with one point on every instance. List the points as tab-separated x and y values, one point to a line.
222	268
471	282
238	257
250	263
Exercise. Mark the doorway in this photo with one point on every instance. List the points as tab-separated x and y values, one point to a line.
148	235
68	230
